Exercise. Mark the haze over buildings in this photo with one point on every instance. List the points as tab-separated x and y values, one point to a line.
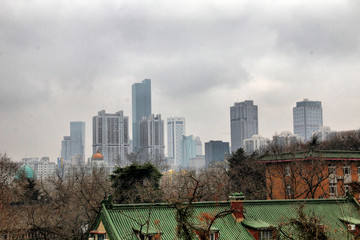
65	60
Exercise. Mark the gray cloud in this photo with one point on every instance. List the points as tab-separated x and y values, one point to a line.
66	60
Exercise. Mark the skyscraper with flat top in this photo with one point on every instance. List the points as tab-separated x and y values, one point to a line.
151	145
308	118
175	133
111	137
141	107
77	140
243	123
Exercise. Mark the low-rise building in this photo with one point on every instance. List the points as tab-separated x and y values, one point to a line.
237	219
311	174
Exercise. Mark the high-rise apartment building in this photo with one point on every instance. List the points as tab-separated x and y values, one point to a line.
243	123
215	151
141	107
255	143
175	133
308	118
151	144
111	137
77	141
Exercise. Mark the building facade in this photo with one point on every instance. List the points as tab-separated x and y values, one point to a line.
243	123
307	118
188	150
175	133
215	151
312	174
43	168
151	145
77	141
65	148
141	107
255	143
111	137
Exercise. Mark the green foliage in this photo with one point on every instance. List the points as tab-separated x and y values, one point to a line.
136	183
247	175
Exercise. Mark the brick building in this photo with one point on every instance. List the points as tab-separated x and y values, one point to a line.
311	174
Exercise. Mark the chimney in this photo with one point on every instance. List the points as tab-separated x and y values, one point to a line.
237	204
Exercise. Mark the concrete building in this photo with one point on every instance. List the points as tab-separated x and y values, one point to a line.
141	107
43	168
111	137
77	141
286	138
243	123
199	148
307	118
215	151
255	143
151	138
175	133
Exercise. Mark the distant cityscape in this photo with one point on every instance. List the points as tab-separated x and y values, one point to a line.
112	146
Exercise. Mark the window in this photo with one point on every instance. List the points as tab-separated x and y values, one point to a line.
332	170
358	170
212	236
266	235
287	171
288	190
346	188
333	189
347	170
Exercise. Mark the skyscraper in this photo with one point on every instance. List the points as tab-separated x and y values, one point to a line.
243	123
77	141
308	118
151	144
189	150
215	151
141	107
111	137
65	148
175	133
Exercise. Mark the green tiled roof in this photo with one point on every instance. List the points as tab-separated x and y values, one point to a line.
318	154
121	220
350	220
256	224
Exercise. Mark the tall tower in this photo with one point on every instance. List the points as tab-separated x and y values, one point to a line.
151	144
141	107
308	118
243	123
65	148
111	137
175	133
77	141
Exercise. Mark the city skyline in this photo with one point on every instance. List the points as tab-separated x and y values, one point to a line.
63	62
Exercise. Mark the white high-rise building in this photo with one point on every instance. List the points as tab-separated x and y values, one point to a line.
111	137
255	143
175	133
151	138
244	123
308	118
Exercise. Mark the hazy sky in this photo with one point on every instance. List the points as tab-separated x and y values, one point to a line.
63	61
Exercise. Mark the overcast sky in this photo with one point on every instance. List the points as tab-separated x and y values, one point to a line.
65	60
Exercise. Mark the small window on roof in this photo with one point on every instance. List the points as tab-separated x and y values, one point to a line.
347	170
266	235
